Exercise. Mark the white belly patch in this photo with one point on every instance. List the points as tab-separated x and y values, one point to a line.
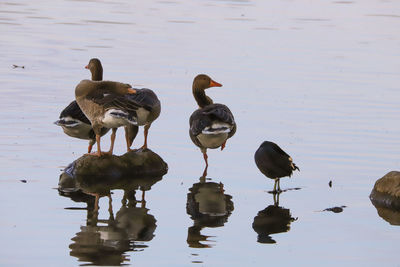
115	118
212	140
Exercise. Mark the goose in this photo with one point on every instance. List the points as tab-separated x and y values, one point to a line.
113	104
211	125
274	163
72	120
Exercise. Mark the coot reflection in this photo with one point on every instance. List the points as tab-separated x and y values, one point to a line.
272	220
208	206
106	241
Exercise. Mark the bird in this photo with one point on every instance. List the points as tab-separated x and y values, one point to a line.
274	163
149	109
113	104
211	125
72	120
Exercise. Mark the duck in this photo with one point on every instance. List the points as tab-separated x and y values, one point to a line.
72	120
212	124
113	104
274	163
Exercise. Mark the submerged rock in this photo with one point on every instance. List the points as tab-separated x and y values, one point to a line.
130	171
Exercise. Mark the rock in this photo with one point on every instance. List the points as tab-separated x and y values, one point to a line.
386	191
131	171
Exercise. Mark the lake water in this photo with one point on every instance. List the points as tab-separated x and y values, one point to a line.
320	78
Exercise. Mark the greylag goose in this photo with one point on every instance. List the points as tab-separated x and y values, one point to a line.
149	108
274	163
113	104
72	120
212	124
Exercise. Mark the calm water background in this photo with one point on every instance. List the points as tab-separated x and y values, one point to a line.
320	78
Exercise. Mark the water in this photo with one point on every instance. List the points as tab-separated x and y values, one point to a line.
318	78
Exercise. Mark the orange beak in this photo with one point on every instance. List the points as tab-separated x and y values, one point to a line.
87	66
131	91
215	84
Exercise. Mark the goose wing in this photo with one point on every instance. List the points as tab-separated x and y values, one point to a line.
74	111
209	115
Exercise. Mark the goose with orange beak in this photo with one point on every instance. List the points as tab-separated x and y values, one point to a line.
212	124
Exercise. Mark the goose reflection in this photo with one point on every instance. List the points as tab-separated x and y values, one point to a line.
208	206
106	241
272	220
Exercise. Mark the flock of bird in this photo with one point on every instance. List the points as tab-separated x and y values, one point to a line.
103	105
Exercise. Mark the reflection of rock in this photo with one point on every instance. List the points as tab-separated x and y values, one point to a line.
390	215
208	206
107	244
272	220
385	196
102	174
386	191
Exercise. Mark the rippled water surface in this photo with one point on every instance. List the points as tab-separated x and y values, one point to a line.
320	78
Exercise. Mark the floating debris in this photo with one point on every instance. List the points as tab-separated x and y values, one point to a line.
17	66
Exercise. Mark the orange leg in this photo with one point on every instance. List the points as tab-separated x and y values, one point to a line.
98	152
128	142
90	147
206	160
114	131
146	132
223	145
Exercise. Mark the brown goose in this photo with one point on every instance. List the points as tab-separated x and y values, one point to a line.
274	163
72	120
212	124
113	104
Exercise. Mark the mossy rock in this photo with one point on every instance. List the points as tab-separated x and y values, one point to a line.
131	171
386	191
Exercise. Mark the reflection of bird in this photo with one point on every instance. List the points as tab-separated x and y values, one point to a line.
272	220
136	221
212	124
273	162
101	244
208	206
72	120
108	243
